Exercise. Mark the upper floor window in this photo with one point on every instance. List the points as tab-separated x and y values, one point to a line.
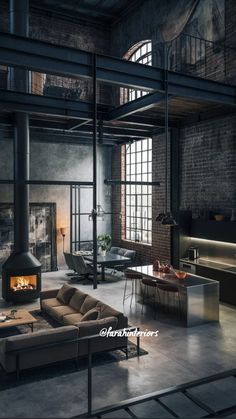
138	198
140	53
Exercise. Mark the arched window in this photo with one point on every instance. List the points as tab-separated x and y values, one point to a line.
140	53
138	165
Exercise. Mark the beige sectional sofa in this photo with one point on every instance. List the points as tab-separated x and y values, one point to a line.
70	306
79	315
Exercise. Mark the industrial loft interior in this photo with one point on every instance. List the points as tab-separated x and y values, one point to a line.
117	208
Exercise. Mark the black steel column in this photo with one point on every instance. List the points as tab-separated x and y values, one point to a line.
94	173
175	190
19	25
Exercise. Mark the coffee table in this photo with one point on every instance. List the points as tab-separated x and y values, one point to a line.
22	317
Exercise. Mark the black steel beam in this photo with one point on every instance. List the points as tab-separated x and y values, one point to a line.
53	59
45	182
139	105
69	62
129	182
144	121
25	102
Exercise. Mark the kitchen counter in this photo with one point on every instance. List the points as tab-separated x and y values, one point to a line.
211	264
199	295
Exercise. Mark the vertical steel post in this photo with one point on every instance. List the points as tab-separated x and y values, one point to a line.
94	64
89	377
71	218
166	126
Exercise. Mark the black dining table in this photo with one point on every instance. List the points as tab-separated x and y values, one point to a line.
109	260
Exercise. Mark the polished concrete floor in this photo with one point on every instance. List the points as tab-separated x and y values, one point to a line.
176	356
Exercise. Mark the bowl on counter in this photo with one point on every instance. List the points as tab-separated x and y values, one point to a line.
181	274
219	217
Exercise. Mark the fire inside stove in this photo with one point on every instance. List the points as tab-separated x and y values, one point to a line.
23	283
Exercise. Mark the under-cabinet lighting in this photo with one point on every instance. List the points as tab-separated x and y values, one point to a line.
212	241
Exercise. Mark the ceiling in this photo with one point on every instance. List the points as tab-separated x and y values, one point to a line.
106	11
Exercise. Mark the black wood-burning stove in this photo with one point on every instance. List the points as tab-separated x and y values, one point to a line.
21	277
21	273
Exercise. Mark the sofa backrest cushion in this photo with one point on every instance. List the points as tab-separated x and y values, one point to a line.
65	293
88	303
121	251
114	250
130	254
92	314
77	300
93	327
41	337
106	311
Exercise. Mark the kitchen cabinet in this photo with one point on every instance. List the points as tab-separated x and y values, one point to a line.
227	282
224	231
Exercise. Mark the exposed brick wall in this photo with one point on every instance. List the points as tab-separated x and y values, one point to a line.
230	39
160	235
208	166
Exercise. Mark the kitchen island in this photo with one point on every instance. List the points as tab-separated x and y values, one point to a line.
199	296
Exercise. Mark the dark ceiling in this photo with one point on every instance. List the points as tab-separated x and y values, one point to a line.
106	11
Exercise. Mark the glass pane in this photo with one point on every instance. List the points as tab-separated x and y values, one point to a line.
139	145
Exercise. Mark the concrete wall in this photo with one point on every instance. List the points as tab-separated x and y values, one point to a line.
58	162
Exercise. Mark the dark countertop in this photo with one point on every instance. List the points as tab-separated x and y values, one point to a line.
190	281
211	264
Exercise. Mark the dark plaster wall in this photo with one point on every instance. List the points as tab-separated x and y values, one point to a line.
59	162
163	20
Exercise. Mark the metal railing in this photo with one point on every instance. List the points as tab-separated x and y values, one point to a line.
182	389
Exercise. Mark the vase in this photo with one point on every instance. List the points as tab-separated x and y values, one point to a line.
103	252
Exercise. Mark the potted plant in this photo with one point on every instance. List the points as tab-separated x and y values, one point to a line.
104	242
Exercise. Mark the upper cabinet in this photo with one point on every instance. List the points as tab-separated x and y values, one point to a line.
224	231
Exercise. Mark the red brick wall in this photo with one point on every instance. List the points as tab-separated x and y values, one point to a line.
160	235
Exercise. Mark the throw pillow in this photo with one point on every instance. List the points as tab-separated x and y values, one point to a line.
88	304
77	300
106	311
92	314
65	293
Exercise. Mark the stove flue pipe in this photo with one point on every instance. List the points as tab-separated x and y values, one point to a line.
19	81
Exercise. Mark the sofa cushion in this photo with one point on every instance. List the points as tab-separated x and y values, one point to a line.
130	254
72	319
65	293
88	303
77	300
106	311
39	338
93	327
121	251
114	250
50	302
92	314
60	311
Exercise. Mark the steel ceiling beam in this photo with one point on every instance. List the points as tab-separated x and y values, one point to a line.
113	133
139	105
26	102
44	57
